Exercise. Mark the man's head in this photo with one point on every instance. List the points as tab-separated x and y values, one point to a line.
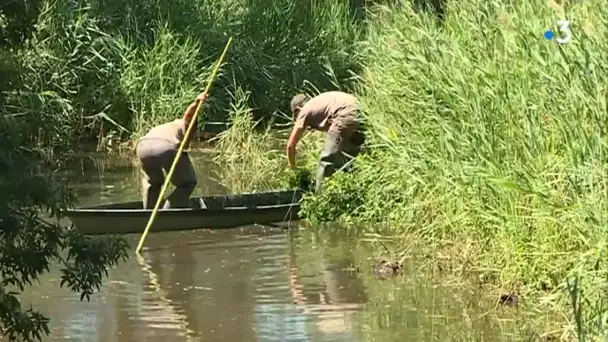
297	103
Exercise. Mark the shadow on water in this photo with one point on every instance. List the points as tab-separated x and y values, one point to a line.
261	284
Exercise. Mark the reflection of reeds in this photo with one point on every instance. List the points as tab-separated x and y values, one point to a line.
164	302
331	315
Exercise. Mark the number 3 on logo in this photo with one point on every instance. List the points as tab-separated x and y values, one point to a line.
564	27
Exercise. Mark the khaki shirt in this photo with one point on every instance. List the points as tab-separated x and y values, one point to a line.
173	132
332	111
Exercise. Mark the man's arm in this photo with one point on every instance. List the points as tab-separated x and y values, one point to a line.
189	115
190	111
294	138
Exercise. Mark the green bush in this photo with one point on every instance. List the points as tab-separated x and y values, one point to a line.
36	131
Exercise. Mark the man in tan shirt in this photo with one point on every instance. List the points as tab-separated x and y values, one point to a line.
335	113
156	151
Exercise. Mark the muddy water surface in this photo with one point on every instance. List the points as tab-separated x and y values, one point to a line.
257	284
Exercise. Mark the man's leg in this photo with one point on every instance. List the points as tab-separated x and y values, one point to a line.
184	179
331	159
150	191
153	177
353	147
338	154
357	142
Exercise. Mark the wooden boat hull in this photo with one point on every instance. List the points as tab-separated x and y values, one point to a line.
221	212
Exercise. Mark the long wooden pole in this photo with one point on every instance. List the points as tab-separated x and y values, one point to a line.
179	152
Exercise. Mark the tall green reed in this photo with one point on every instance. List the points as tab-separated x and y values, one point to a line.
487	135
132	64
248	159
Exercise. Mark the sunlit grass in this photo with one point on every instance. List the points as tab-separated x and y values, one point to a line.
126	66
250	159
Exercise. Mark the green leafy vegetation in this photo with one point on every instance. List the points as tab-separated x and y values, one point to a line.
32	194
34	125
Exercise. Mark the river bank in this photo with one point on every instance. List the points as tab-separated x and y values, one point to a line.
479	163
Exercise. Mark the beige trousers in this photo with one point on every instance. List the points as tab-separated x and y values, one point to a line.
156	157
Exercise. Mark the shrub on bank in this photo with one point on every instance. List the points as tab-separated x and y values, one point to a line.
488	135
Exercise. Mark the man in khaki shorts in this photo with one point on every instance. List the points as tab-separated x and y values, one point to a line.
157	149
336	113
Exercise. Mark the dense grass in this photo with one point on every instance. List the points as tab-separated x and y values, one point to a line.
95	68
490	148
253	160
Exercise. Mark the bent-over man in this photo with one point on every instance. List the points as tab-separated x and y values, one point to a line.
156	151
335	113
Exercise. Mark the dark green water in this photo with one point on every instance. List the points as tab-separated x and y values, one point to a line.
258	284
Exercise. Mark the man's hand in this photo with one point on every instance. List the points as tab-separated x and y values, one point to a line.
202	97
189	113
290	151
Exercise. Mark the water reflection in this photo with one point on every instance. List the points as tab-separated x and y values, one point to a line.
234	287
223	286
327	289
